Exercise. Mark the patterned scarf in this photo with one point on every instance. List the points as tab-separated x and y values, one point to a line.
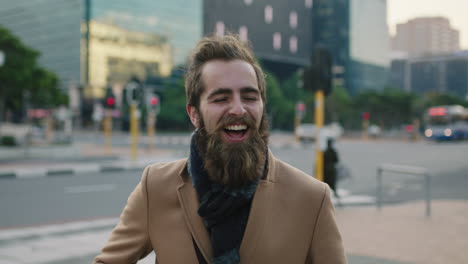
225	211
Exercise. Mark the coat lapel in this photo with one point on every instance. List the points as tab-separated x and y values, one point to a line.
261	208
189	203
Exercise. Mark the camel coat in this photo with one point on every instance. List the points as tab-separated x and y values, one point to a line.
291	220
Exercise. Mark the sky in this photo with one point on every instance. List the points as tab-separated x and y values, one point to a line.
400	11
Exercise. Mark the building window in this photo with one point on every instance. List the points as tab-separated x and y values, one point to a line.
268	14
293	44
220	28
248	2
277	41
309	3
293	19
243	33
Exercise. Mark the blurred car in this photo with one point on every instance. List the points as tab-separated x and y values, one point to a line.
306	131
374	131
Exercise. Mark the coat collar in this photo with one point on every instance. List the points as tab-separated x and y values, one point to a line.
259	212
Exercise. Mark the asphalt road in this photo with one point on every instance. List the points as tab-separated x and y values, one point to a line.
31	202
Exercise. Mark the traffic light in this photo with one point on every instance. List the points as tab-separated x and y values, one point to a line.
109	100
366	115
154	103
322	61
319	75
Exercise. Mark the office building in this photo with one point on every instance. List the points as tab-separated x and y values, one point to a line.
432	73
426	35
285	33
279	31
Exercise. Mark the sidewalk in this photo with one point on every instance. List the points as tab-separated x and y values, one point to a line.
78	158
402	232
398	234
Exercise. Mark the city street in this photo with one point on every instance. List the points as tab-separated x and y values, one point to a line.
33	204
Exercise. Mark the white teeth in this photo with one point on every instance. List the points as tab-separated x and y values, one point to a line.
236	127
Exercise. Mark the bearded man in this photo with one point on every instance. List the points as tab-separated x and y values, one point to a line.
231	200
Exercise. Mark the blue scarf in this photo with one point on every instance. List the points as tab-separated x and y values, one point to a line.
225	211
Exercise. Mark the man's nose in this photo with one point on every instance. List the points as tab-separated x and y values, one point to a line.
237	107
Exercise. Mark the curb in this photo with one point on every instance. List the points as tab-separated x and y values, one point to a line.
55	172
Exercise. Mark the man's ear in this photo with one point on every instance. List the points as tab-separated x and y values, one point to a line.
194	115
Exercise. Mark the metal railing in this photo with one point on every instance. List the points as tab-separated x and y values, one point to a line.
402	169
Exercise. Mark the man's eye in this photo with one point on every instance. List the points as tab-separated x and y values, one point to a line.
250	98
221	99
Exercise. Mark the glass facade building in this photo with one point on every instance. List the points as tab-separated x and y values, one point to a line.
51	27
56	28
432	73
356	33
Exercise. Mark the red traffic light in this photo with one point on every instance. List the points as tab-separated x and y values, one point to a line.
154	100
110	101
300	107
366	115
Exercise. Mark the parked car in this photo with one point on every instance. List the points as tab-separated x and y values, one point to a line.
306	131
374	131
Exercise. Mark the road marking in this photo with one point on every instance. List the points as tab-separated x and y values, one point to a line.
90	188
58	242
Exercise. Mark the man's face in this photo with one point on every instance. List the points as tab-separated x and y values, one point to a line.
230	93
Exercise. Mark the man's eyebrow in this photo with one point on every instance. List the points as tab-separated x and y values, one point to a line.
219	91
250	90
226	91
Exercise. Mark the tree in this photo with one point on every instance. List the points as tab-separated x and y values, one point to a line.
280	109
21	75
173	113
338	106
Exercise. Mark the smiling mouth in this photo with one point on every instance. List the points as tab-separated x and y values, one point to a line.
235	132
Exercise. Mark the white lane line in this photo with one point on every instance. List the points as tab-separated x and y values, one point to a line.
90	188
59	242
40	231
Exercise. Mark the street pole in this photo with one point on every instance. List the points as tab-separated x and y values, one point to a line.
319	109
50	128
150	126
365	129
108	130
133	130
297	121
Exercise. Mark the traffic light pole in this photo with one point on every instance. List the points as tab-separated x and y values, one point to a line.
365	129
150	125
133	131
319	116
108	130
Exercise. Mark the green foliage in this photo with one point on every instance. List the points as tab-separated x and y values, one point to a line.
389	108
338	107
20	75
280	108
8	141
435	99
173	114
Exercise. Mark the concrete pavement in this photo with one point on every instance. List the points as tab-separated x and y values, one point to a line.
397	234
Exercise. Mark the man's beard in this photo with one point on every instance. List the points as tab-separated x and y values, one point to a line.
234	164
